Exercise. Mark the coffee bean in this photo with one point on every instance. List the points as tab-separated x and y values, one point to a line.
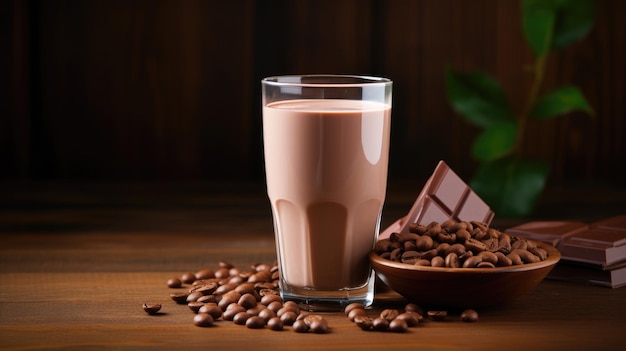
275	306
411	307
469	316
438	261
268	299
472	262
319	326
356	312
223	272
151	308
179	297
275	324
398	326
247	301
288	318
230	312
194	306
188	278
267	314
241	318
380	324
389	314
299	326
452	260
254	311
174	283
203	320
211	309
205	274
411	318
437	315
363	322
255	322
194	296
352	306
207	299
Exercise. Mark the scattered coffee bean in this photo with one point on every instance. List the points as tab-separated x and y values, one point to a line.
247	301
203	320
389	314
437	315
241	318
380	324
469	315
152	308
319	326
267	314
411	307
205	274
179	297
299	326
398	326
230	312
363	322
211	309
195	306
255	322
275	324
174	283
356	312
288	318
352	306
411	318
188	278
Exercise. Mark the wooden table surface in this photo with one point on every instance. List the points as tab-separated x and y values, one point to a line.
77	261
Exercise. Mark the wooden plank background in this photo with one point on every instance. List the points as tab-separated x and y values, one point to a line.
169	90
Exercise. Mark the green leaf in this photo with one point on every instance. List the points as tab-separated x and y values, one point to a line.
560	101
555	24
478	97
538	18
511	186
495	141
574	21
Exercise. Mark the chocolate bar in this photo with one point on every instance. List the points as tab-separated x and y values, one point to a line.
613	223
596	246
444	196
549	232
602	243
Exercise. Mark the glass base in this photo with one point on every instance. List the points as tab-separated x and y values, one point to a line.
328	301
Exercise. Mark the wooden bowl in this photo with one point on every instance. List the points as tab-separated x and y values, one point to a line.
463	287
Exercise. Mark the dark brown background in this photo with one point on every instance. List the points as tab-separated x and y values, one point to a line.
169	90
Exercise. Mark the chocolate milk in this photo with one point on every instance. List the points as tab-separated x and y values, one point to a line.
326	167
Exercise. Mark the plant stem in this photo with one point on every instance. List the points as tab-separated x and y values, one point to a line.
538	70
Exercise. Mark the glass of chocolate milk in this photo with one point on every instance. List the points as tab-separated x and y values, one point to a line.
326	141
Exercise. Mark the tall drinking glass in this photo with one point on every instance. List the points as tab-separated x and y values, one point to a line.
326	144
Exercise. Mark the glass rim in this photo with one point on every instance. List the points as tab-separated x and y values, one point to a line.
295	80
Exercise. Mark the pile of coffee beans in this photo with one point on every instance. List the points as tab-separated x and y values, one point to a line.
251	298
397	321
455	244
247	297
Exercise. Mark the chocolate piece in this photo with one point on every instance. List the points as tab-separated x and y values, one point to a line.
444	196
602	243
549	232
596	246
